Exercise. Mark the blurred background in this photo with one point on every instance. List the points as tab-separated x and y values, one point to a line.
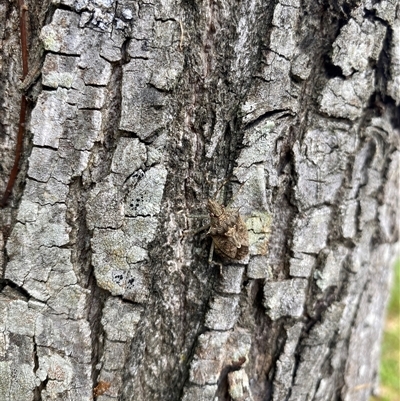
390	359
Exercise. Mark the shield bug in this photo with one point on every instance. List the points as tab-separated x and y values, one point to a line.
228	232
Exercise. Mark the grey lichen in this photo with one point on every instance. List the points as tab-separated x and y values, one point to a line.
311	232
301	265
259	267
231	280
285	298
357	44
206	393
145	198
129	156
119	320
223	313
57	69
63	34
259	226
346	98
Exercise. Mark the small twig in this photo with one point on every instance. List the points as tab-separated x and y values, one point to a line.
18	152
24	42
22	114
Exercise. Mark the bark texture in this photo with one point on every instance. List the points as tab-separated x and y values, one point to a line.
141	111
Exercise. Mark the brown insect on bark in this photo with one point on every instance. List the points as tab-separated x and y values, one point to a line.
228	231
101	388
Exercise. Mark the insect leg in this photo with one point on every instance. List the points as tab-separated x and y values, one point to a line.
211	254
210	258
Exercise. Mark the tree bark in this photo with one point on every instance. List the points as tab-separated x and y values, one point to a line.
141	112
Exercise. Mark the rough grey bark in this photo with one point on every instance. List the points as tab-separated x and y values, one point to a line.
140	112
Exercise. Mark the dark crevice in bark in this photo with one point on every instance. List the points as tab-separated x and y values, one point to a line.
111	112
318	305
8	283
39	14
284	145
197	279
81	260
382	71
19	185
193	324
37	392
97	301
371	15
332	70
301	345
278	113
191	352
65	7
285	205
125	58
111	117
383	103
340	12
47	13
80	233
265	335
232	139
326	368
279	340
394	113
10	7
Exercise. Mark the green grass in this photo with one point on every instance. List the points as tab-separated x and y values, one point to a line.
390	361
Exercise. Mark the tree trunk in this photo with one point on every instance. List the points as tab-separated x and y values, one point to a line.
141	112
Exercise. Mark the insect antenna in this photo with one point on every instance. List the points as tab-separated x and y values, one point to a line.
223	184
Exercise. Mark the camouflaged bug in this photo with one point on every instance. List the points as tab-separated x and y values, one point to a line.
228	232
101	388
